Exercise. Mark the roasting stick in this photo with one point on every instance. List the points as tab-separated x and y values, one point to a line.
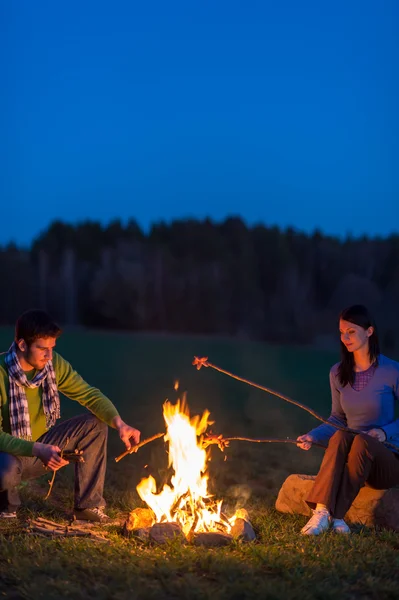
139	445
210	439
203	362
223	442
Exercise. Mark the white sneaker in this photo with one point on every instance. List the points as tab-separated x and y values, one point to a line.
318	522
5	514
339	526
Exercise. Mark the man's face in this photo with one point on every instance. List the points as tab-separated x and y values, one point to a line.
38	353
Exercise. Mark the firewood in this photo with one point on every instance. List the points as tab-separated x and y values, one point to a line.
47	530
47	522
64	533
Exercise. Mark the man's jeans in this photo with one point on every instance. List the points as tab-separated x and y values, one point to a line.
84	432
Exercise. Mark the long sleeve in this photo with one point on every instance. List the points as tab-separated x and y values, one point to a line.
323	433
392	429
72	385
13	445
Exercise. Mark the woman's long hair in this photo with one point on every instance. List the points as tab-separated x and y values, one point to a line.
359	315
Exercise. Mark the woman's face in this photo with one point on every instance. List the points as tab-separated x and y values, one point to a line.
353	336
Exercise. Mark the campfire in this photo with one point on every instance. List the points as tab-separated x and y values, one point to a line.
184	506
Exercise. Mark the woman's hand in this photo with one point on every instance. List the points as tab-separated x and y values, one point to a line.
378	434
304	441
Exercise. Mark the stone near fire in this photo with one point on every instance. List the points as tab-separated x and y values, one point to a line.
371	507
161	533
143	533
138	518
242	513
243	530
212	539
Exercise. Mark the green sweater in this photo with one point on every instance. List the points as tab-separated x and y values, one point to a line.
69	383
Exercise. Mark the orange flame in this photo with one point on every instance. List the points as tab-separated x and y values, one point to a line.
186	500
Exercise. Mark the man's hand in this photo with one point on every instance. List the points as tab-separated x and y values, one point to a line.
378	434
126	433
49	455
304	441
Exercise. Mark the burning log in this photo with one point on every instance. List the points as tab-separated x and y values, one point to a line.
183	508
180	502
139	518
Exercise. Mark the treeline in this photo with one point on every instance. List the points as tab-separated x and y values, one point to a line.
202	277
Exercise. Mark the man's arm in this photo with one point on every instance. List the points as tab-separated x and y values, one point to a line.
71	384
16	446
49	455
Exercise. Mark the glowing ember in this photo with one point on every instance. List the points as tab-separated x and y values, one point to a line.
186	501
176	385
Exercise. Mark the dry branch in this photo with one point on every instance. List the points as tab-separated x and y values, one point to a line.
47	528
223	442
76	456
139	445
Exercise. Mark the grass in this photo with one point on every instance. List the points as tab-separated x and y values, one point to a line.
138	373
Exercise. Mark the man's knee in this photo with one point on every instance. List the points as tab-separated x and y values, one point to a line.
10	471
95	424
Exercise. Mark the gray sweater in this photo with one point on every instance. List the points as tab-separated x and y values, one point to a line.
371	407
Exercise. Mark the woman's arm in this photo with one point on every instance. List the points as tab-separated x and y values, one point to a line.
324	432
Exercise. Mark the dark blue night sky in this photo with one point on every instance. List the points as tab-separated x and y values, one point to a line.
282	112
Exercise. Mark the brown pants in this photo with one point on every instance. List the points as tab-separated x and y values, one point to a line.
350	462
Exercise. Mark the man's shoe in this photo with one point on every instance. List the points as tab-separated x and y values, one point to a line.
318	522
339	526
5	514
93	515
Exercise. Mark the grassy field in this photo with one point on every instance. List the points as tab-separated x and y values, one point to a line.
138	373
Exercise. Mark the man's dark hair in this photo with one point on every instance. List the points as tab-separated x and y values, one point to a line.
359	315
34	324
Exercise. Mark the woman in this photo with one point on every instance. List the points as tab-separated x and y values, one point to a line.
364	386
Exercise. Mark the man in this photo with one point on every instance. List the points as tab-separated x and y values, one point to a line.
31	377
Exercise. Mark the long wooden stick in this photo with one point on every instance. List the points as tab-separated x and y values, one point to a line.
222	442
203	362
139	445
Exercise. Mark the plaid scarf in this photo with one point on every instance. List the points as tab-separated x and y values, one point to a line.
19	412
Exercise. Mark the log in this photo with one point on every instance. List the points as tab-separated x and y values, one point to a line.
370	507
